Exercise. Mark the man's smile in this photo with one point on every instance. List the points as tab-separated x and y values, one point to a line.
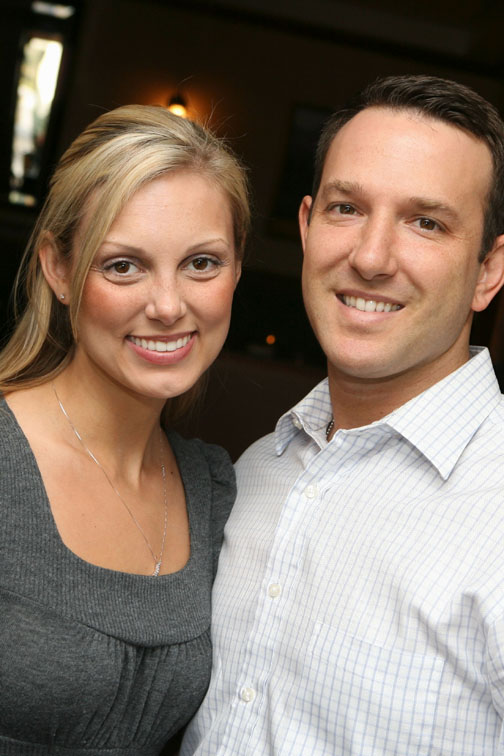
368	305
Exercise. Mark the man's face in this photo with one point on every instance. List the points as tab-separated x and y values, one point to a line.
391	273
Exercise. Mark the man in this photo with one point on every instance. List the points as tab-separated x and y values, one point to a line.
359	605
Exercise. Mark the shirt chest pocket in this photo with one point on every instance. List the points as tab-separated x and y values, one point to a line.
376	700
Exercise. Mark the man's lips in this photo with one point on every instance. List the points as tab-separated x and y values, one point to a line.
157	344
369	305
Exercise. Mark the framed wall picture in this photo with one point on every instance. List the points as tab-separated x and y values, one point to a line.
297	173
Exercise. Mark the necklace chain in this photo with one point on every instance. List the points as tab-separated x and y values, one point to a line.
157	559
330	426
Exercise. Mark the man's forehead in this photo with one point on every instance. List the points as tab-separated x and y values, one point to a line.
407	117
409	138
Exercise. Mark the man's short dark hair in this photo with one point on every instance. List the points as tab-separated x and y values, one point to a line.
441	99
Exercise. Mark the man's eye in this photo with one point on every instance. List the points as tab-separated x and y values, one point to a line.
427	224
344	209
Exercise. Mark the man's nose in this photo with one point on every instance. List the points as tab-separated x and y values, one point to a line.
374	253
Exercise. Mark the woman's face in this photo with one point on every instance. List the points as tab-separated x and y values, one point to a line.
157	300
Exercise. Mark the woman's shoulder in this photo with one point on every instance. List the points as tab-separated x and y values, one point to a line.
17	464
8	424
207	470
215	456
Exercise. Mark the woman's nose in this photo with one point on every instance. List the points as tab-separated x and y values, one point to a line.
166	303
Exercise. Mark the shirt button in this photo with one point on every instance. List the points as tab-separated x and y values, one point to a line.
248	694
274	590
297	423
310	492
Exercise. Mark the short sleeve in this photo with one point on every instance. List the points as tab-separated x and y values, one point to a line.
223	493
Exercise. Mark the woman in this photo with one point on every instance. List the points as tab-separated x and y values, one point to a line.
110	524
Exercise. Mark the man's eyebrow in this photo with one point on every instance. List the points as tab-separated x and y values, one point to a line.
428	205
344	187
422	204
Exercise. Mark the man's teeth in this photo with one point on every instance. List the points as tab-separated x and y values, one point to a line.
370	305
160	346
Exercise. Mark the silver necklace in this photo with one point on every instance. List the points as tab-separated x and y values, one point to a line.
330	426
157	559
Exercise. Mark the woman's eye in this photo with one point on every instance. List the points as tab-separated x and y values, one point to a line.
203	264
121	267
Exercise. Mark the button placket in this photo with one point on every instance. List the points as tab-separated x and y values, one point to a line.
247	695
274	590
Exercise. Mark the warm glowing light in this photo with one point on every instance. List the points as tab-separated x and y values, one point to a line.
53	9
270	339
178	106
178	110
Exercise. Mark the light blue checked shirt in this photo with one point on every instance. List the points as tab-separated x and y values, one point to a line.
359	604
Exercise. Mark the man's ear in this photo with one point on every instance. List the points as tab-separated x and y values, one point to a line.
54	268
491	276
304	218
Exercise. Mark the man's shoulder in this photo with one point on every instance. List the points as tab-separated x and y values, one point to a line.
493	425
257	453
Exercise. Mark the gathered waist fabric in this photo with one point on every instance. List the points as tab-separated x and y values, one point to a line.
10	747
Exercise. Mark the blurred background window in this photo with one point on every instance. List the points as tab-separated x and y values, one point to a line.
34	99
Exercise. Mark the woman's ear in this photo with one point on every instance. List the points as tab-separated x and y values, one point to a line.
54	268
238	272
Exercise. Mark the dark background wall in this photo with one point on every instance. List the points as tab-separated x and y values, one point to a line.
250	68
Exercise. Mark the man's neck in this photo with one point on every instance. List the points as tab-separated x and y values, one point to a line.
360	401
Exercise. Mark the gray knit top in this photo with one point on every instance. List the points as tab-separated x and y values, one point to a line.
95	662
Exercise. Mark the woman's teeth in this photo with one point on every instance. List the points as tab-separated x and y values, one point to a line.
160	346
369	305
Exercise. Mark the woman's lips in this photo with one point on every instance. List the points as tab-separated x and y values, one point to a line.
162	350
160	345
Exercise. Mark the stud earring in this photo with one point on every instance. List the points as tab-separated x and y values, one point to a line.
62	297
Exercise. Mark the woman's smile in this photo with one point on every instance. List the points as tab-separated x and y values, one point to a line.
162	351
160	343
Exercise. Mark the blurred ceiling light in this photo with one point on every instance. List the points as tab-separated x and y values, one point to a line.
178	105
53	9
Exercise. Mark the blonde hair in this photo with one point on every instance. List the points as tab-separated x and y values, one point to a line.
112	158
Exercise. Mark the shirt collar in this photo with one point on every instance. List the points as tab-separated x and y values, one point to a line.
311	414
439	422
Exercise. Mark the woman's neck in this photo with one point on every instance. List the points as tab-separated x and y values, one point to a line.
119	427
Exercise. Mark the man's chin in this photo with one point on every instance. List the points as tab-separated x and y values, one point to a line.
365	369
